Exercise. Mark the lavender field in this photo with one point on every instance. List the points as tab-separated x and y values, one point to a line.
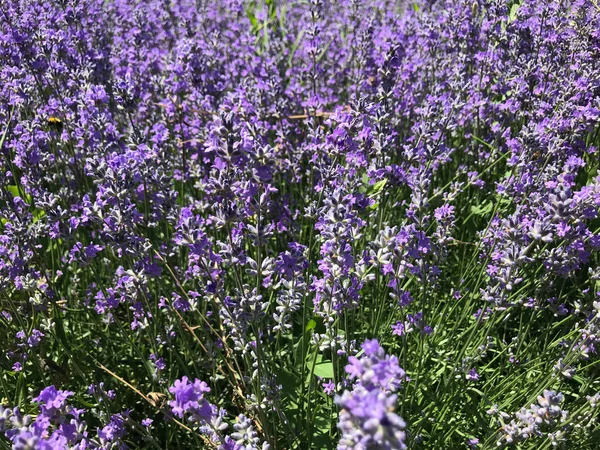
304	224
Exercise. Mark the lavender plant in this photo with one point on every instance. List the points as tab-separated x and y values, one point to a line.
299	225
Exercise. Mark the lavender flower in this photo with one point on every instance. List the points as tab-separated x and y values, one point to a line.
367	419
190	403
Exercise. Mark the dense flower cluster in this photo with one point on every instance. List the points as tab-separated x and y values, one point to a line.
536	420
59	426
189	401
367	419
242	192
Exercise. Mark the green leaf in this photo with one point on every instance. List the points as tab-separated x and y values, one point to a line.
252	17
324	369
85	403
322	424
38	214
60	329
21	390
289	383
301	352
477	391
322	441
310	325
377	188
272	8
512	15
16	192
482	210
295	47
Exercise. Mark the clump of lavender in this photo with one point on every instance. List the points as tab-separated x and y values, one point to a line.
291	286
539	420
244	437
367	419
59	426
190	403
245	190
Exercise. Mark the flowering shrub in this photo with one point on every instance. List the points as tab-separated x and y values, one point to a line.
299	225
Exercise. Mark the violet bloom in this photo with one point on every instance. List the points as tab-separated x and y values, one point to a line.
398	329
189	398
328	387
367	419
33	340
52	401
472	375
473	442
189	401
